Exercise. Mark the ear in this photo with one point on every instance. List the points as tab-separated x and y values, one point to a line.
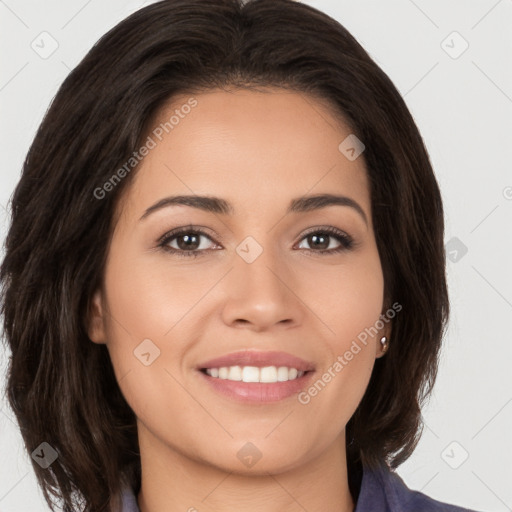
96	319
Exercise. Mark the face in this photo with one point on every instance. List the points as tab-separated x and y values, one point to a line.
252	277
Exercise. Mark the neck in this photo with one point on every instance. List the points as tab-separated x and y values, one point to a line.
172	481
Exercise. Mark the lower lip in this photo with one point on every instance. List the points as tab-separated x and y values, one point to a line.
257	391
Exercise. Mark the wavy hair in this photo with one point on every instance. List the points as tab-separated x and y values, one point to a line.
60	385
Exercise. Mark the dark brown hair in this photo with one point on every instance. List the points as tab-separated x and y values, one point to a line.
60	385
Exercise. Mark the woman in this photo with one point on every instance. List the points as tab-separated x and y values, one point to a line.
224	282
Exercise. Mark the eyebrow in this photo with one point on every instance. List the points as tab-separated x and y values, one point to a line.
221	206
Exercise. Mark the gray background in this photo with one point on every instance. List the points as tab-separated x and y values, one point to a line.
462	103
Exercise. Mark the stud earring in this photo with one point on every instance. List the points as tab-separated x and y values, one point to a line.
385	344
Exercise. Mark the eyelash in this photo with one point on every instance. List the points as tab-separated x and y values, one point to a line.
346	242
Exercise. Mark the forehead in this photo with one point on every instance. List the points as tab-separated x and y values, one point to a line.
263	146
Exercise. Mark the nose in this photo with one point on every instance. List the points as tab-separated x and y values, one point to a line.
262	294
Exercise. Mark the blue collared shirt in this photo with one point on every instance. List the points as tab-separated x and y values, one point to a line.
381	490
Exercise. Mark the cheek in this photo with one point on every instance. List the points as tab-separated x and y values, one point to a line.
347	298
148	298
152	307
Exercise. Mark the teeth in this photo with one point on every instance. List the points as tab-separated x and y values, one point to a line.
267	374
249	373
235	373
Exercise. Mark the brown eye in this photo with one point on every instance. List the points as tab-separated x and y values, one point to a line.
188	241
320	240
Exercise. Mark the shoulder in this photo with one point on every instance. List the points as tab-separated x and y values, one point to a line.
386	487
129	501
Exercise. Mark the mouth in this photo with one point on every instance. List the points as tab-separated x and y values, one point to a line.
256	377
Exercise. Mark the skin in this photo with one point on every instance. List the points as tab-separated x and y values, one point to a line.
258	150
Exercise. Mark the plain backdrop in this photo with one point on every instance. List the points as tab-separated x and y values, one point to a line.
451	61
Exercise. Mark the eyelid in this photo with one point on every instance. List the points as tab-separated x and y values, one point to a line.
190	227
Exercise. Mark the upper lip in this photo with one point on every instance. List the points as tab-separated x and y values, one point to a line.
259	359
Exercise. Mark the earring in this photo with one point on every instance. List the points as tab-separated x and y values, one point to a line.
385	344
